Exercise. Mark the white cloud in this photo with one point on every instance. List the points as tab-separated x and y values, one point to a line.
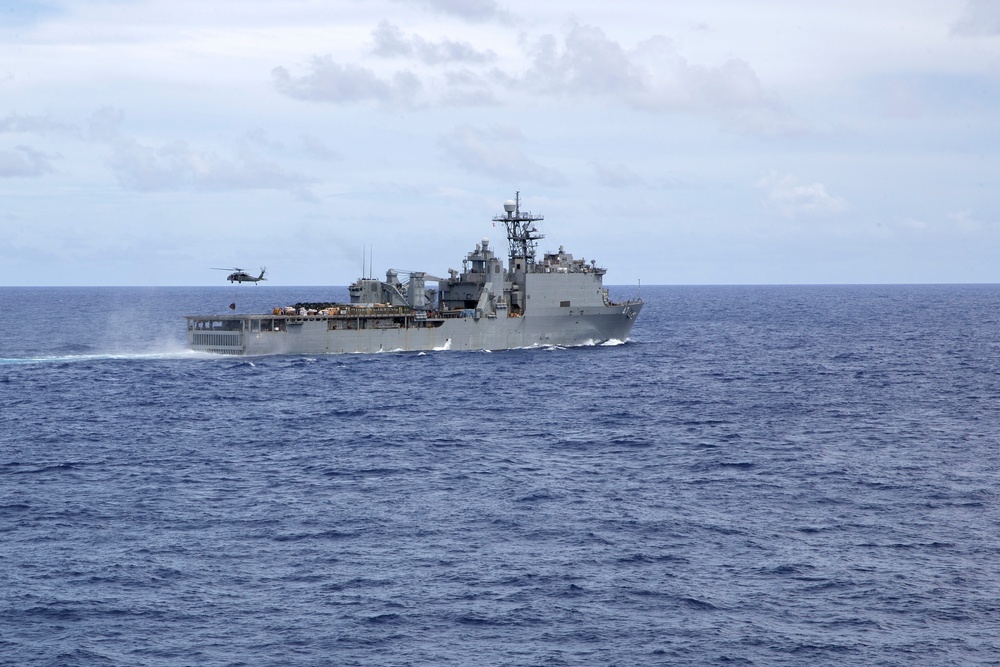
305	145
673	83
901	98
497	153
584	63
105	124
615	174
24	161
332	82
664	100
391	41
314	147
259	138
177	166
913	224
963	222
587	63
470	10
337	83
980	18
653	77
966	221
466	88
22	124
793	200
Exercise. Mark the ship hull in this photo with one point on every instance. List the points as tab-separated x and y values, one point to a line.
557	300
245	335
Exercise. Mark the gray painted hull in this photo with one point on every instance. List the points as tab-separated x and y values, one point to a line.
312	335
559	300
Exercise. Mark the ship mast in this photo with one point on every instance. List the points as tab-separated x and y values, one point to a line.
522	237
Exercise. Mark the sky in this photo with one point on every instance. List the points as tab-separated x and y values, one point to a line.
144	142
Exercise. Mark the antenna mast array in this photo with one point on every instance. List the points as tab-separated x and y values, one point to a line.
522	237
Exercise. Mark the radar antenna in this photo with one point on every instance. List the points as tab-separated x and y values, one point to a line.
522	236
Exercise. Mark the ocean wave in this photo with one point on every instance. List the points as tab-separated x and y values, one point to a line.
705	497
109	356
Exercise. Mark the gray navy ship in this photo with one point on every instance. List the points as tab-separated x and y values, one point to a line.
555	300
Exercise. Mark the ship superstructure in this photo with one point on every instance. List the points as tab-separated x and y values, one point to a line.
558	300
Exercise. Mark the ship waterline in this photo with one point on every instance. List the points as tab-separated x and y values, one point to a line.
557	300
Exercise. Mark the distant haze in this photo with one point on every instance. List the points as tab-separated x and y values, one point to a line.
143	142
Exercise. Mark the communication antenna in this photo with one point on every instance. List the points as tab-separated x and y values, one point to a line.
522	236
366	261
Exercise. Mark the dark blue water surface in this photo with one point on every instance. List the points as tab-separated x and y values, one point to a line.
761	476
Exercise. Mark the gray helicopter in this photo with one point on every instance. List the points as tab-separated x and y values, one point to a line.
241	276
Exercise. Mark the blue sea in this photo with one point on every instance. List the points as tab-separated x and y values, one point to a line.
760	476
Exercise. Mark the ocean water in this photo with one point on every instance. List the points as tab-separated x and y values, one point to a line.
760	476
